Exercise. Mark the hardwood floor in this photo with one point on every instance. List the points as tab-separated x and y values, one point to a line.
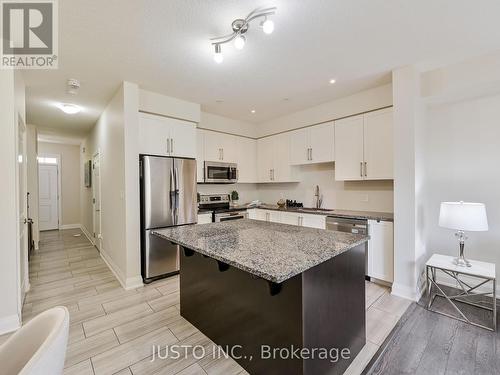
112	331
424	342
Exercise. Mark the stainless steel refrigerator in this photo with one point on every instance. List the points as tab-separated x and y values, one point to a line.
168	198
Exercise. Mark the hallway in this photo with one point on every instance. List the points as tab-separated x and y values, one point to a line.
112	330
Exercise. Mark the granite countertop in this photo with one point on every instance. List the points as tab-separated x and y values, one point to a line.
370	215
272	251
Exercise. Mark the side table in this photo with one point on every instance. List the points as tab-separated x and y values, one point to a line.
484	272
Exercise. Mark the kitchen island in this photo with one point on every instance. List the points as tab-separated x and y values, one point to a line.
264	291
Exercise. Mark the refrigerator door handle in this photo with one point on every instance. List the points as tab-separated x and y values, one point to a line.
172	190
176	196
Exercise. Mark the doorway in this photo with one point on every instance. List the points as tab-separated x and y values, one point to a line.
48	192
22	214
96	199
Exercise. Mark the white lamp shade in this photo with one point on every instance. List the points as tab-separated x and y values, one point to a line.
463	216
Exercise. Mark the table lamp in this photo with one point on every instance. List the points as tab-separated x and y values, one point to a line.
463	217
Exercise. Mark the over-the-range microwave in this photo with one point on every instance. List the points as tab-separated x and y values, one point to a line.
220	173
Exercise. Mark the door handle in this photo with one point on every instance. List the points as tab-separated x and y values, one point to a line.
168	145
361	168
222	153
270	175
366	169
25	221
311	154
307	154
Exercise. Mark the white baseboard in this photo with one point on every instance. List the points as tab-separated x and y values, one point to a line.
69	226
405	292
87	234
9	324
126	283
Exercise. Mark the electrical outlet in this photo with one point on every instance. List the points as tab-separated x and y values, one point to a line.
364	198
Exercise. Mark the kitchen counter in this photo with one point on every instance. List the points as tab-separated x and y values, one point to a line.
250	285
272	251
369	215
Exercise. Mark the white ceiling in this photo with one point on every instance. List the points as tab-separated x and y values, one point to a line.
164	47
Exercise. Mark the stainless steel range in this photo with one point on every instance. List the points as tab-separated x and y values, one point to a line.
221	206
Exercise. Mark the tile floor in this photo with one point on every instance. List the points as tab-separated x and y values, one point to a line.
112	330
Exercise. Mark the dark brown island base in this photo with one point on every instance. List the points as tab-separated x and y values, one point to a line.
279	299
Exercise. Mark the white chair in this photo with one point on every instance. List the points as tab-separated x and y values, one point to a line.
38	347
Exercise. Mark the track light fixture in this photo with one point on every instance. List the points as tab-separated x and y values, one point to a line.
240	26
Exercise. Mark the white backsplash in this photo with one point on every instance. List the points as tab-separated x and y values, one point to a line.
352	195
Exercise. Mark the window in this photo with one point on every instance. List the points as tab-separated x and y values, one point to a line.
46	160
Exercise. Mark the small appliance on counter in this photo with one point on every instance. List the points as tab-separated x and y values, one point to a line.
220	205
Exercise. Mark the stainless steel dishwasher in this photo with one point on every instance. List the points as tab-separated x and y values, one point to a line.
347	224
350	225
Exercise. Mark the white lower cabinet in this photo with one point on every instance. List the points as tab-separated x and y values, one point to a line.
381	250
290	218
204	218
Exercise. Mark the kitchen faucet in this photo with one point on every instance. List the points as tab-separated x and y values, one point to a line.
318	199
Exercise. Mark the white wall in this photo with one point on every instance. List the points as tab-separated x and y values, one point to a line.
227	125
11	106
152	102
406	87
70	179
360	102
32	165
351	195
462	163
119	185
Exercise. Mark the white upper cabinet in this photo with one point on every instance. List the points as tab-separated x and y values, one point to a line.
322	143
220	147
364	147
314	144
349	148
273	159
265	159
379	145
166	136
200	155
299	147
247	160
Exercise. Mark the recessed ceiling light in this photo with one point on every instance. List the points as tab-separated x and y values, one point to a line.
69	108
253	111
332	81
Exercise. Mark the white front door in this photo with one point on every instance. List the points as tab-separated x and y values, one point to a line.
48	211
96	200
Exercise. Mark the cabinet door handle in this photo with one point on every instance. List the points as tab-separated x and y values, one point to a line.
307	154
168	145
270	175
361	168
273	174
222	151
366	169
311	154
